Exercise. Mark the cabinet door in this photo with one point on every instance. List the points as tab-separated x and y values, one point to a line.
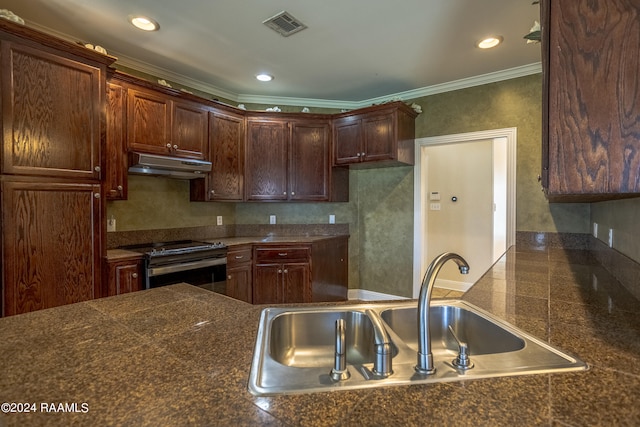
189	122
226	141
266	168
52	244
115	183
52	114
347	140
296	283
126	278
239	283
379	137
309	160
591	113
267	284
148	121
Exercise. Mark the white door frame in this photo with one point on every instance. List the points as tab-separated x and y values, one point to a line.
420	200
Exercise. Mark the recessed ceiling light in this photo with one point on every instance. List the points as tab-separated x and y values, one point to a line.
490	42
143	22
264	77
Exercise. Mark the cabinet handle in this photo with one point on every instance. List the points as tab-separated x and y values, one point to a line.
134	275
283	253
97	169
96	195
239	256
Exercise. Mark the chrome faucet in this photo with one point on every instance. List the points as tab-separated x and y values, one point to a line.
382	366
425	357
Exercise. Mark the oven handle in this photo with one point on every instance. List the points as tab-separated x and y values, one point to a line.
157	271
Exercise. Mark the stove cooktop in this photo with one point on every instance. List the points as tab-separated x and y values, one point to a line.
175	247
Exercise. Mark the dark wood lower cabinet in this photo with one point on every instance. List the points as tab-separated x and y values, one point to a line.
123	276
51	244
239	273
314	272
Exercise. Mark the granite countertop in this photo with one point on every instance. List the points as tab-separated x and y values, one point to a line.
180	355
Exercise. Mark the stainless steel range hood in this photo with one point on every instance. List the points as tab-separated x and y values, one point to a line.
172	167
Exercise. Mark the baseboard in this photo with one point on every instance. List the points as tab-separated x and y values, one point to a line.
365	295
453	285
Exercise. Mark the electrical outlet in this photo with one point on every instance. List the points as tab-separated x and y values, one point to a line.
111	224
272	219
611	237
332	219
219	220
595	229
434	206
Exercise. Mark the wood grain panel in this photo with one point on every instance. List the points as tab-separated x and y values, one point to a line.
227	156
189	123
266	172
51	244
594	97
52	114
347	140
148	122
378	136
116	152
310	151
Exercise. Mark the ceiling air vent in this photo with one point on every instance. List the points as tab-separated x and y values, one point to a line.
284	24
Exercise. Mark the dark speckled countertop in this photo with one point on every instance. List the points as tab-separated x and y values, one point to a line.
180	356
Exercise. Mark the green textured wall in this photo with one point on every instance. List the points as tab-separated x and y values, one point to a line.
622	216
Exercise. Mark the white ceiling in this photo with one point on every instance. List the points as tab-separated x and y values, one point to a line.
352	51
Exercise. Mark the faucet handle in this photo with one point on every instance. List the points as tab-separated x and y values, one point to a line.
463	361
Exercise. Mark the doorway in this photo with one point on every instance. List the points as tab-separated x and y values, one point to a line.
464	202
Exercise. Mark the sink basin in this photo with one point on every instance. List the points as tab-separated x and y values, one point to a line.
294	350
306	339
481	335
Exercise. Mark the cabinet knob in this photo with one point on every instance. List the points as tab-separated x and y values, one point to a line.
279	271
361	154
213	191
96	195
229	277
357	154
134	275
175	146
293	193
120	188
168	145
284	192
97	169
286	271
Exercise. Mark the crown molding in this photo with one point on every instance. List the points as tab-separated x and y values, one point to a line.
126	61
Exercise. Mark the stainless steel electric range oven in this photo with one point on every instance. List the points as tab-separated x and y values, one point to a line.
197	263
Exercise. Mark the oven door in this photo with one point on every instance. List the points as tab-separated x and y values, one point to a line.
209	272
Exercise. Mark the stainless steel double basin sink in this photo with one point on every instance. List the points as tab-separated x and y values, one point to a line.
295	347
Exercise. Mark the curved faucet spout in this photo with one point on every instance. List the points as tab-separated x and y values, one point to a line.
425	357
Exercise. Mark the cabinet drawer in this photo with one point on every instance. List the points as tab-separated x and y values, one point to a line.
283	253
238	256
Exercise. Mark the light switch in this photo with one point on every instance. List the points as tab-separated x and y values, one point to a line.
272	219
332	219
219	220
434	206
434	195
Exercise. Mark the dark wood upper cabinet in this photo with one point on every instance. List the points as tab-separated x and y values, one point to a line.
159	124
115	177
382	135
309	160
52	113
267	159
288	159
226	153
591	93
